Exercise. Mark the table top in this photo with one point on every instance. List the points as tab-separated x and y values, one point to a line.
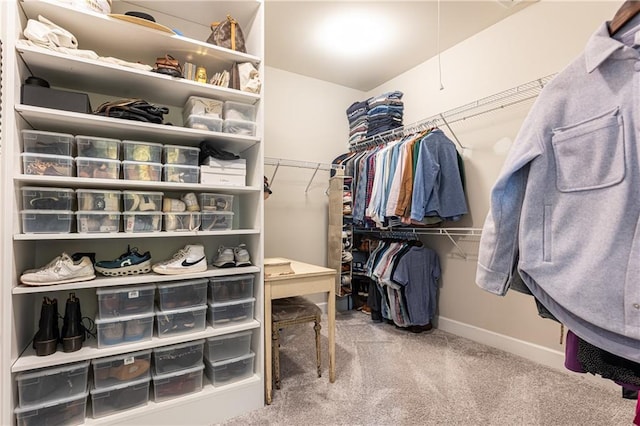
300	269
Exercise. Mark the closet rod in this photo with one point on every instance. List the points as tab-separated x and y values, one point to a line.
271	161
482	106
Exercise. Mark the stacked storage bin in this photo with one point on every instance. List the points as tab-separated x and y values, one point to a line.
141	161
181	164
47	210
98	210
120	382
239	118
97	157
181	309
53	395
228	358
142	211
203	113
217	211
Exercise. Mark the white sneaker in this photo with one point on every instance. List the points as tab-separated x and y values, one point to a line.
60	270
187	260
241	255
225	258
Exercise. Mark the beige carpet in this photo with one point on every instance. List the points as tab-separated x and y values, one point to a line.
387	376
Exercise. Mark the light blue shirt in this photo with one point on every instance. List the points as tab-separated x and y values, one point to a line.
567	200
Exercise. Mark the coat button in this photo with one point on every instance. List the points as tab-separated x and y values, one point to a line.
636	305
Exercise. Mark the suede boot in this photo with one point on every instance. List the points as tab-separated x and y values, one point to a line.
46	339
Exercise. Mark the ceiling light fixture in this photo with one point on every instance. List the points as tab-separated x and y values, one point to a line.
355	33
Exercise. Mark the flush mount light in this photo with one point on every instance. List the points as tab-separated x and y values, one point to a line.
355	33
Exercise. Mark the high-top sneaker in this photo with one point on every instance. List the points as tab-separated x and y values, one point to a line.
45	341
73	332
187	260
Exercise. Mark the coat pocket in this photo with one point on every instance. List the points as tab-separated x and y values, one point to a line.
590	154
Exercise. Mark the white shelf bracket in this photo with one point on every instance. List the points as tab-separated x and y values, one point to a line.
452	132
273	176
312	177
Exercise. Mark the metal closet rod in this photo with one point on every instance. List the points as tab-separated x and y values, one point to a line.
271	161
491	103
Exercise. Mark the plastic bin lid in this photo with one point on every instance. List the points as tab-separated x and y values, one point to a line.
229	336
99	191
142	193
51	371
97	138
121	386
97	160
233	302
66	212
98	212
128	142
145	163
181	310
42	132
231	360
121	356
183	283
231	278
178	346
217	212
127	289
145	213
50	156
180	166
179	373
45	189
21	410
99	321
189	148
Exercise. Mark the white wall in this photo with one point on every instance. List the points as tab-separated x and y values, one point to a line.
305	120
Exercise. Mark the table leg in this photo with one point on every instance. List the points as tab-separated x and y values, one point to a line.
331	309
267	342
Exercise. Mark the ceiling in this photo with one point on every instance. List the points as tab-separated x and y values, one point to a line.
407	33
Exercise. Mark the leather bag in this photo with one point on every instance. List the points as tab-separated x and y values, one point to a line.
168	65
132	109
227	34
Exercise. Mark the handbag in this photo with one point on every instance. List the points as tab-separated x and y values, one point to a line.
168	65
132	109
227	34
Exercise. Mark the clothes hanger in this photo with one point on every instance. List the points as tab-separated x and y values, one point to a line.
628	10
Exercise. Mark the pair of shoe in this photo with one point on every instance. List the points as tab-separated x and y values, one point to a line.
187	260
73	332
188	202
229	257
62	269
129	263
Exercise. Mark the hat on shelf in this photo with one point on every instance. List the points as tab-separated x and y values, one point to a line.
143	19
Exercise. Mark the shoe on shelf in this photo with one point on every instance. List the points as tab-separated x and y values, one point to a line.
225	257
241	255
45	342
73	332
129	263
62	269
346	256
187	260
173	205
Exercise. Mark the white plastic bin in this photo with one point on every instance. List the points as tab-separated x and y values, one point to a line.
167	359
178	383
51	384
229	371
227	346
120	369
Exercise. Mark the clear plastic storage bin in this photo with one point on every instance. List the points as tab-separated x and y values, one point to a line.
203	122
98	200
181	321
182	294
148	152
119	398
181	155
46	164
239	127
120	369
142	221
149	172
238	111
233	287
40	198
47	142
216	221
215	202
121	330
98	168
97	222
124	301
137	201
69	411
219	348
97	147
230	370
51	384
202	106
178	383
181	174
167	359
184	221
46	221
231	313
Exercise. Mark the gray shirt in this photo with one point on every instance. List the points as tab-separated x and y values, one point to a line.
567	200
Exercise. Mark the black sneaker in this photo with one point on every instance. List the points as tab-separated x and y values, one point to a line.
129	263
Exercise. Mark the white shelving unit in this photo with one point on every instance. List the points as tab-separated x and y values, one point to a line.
20	305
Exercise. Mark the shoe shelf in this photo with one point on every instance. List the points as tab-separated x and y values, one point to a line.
131	235
29	360
101	281
151	86
56	120
132	184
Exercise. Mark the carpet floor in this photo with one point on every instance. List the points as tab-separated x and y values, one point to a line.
388	376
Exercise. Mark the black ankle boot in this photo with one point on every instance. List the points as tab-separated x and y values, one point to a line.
73	333
46	339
